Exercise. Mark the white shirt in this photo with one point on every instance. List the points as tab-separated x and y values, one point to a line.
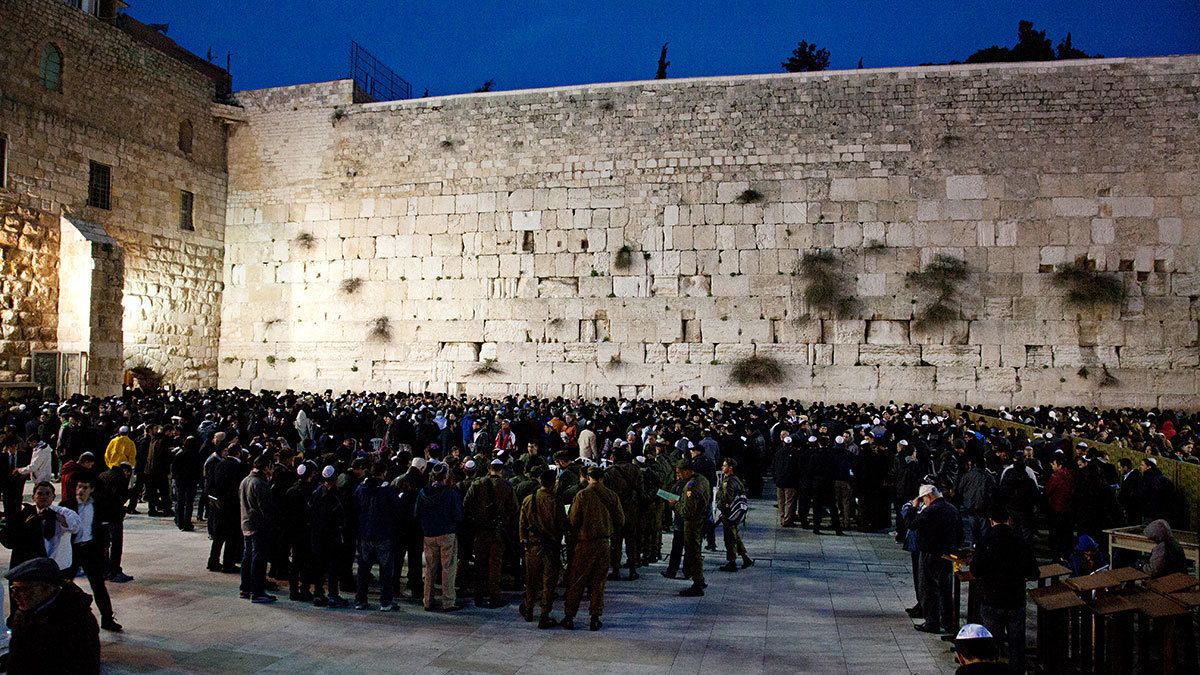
86	513
58	547
39	465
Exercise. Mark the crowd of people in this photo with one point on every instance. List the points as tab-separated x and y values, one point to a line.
430	497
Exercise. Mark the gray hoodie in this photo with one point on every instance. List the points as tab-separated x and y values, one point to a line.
1167	556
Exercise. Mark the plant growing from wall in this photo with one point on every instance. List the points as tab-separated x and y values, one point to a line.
1107	379
757	370
614	361
1088	289
270	359
487	367
338	114
350	286
939	281
306	240
382	329
826	285
624	258
750	196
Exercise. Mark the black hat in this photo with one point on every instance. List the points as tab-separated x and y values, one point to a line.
38	569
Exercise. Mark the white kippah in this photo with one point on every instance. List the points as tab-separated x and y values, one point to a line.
328	472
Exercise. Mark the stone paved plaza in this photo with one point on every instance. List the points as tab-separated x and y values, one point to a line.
811	604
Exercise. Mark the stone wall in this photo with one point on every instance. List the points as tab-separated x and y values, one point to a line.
470	243
121	104
28	286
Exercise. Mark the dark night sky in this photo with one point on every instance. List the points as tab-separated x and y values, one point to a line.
452	47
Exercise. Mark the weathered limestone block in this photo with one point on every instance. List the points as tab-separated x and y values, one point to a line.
887	333
889	355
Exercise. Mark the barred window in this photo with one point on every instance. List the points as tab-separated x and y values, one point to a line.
100	185
50	68
186	200
3	161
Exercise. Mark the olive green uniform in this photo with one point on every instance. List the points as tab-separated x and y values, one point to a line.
693	507
595	514
626	481
730	488
543	524
491	508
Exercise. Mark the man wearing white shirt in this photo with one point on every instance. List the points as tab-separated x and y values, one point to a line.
39	468
57	539
88	549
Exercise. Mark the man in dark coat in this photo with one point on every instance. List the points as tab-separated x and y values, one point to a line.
939	531
53	629
1157	493
226	547
1002	563
786	482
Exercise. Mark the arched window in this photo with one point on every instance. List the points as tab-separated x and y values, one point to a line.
50	68
185	137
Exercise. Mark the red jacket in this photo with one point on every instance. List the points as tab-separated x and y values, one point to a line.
1060	490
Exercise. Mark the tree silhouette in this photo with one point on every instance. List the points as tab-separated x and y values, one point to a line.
806	58
485	87
661	73
1032	45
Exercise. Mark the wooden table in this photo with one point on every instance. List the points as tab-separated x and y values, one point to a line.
1098	581
1189	599
1056	634
1112	631
1048	574
1172	583
1132	539
962	573
1161	613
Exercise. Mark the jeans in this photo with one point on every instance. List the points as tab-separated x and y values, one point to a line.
371	551
1008	623
974	529
256	548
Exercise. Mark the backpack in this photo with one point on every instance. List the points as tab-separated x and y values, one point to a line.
737	510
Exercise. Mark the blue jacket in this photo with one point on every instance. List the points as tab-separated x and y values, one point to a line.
378	510
439	509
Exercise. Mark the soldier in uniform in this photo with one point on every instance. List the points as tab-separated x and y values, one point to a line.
491	507
731	494
692	507
649	513
595	515
624	479
543	523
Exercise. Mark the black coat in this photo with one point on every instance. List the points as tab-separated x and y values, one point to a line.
938	527
1002	564
61	637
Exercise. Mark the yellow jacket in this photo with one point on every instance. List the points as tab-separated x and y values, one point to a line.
120	449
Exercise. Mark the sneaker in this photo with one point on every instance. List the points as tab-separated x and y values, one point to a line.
387	608
111	625
361	606
263	599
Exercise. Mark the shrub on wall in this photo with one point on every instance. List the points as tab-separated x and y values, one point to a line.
624	258
827	287
350	286
939	281
750	196
306	240
756	370
382	329
487	367
1088	289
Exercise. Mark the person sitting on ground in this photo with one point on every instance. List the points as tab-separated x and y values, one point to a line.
53	629
1167	556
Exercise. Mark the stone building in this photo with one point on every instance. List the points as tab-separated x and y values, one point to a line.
113	198
631	239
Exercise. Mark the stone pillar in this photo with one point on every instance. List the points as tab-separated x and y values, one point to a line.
91	276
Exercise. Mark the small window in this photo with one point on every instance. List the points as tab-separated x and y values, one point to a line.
3	161
50	68
100	185
185	137
186	200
